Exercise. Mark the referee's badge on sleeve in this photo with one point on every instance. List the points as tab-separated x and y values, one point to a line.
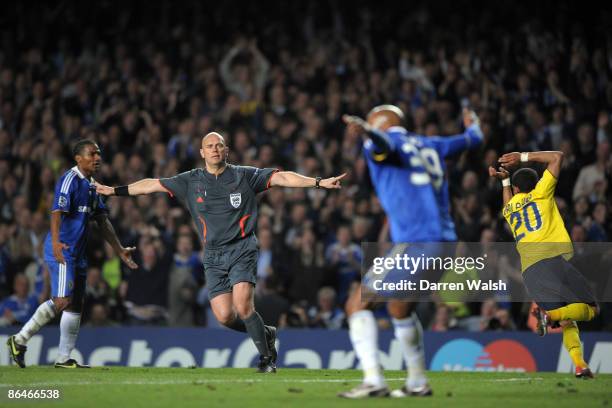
235	199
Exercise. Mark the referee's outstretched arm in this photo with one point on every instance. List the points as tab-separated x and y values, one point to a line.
280	179
292	179
144	186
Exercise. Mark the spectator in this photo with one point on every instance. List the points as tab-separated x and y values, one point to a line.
111	268
569	172
594	174
296	317
19	307
246	80
598	231
581	211
182	285
147	104
443	319
306	268
265	261
271	305
326	314
97	291
586	152
488	309
502	321
145	289
99	316
344	256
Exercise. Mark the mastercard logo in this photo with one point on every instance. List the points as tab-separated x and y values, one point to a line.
469	355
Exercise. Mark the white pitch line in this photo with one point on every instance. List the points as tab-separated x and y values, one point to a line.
194	381
516	379
228	381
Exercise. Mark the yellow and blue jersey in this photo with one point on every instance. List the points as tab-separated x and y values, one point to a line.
536	223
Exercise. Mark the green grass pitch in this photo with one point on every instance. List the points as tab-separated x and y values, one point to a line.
117	387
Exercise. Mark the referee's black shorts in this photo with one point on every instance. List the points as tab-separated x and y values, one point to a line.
233	263
554	282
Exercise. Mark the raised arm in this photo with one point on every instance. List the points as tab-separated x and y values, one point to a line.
144	186
225	65
472	136
262	66
292	179
382	143
552	159
503	175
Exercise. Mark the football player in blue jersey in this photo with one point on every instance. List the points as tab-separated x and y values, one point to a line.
408	174
75	203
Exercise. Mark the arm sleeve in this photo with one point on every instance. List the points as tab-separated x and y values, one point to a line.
449	145
177	186
546	186
64	192
259	179
379	145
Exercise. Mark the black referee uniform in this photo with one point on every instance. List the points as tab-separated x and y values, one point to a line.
224	210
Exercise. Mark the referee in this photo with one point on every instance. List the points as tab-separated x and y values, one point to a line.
221	200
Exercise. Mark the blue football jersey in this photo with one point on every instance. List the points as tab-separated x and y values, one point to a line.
78	201
411	184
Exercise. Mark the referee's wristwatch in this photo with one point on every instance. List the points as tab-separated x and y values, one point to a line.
317	182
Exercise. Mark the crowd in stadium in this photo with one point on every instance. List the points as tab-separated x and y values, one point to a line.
146	85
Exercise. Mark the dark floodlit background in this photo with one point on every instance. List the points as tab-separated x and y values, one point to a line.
147	79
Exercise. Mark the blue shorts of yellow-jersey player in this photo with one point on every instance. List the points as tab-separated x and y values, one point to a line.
555	282
402	280
66	279
233	263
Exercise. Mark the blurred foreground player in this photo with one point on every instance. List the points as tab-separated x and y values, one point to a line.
407	171
561	292
222	203
74	204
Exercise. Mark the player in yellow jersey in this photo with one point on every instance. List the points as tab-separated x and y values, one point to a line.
561	292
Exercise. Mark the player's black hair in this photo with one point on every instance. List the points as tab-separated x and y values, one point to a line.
80	145
525	179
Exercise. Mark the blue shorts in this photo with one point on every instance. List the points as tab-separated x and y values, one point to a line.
66	278
373	280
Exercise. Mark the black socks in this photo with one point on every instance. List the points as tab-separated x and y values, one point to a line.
256	329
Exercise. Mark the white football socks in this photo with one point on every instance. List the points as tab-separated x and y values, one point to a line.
409	333
69	329
43	314
363	332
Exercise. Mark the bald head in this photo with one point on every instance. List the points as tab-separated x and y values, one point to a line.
213	151
213	135
383	117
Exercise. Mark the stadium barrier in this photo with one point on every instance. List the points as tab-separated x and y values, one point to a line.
187	347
